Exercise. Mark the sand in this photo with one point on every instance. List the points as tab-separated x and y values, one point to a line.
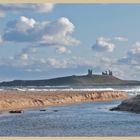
19	100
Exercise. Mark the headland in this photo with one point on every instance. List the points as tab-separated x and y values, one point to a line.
89	79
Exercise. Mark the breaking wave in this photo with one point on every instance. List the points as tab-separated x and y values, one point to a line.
131	90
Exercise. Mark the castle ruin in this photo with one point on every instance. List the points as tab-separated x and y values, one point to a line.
89	72
109	72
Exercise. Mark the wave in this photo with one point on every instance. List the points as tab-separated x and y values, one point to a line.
61	89
129	90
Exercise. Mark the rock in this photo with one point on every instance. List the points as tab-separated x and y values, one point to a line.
131	105
42	109
55	110
15	111
114	109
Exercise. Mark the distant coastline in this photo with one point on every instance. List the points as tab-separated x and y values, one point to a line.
106	78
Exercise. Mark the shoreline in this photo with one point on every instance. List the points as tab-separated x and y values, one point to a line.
20	100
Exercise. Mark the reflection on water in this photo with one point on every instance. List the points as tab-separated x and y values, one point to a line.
86	119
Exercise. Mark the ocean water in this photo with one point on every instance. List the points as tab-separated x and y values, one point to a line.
131	90
84	119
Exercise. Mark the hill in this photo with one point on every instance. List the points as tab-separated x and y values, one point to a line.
73	80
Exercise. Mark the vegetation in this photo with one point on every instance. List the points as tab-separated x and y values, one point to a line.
73	80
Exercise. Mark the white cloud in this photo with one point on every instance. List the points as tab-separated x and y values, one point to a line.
43	8
1	40
62	49
33	70
58	33
119	38
133	56
135	51
103	44
2	14
24	56
24	24
45	33
21	8
30	63
56	63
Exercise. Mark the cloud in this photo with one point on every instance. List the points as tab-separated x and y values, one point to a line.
43	8
26	61
2	14
135	51
70	63
58	33
45	33
21	8
19	30
130	63
1	40
55	63
33	70
24	56
23	59
119	38
133	56
103	44
62	49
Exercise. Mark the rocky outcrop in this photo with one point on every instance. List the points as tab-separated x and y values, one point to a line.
18	100
132	105
15	111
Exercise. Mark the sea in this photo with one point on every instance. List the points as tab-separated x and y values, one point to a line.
84	119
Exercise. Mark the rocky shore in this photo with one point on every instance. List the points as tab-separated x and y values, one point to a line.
131	105
18	100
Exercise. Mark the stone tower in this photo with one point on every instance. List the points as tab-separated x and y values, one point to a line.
89	72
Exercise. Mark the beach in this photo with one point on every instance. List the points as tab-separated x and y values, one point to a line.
19	100
67	112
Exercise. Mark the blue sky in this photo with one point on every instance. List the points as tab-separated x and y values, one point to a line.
41	41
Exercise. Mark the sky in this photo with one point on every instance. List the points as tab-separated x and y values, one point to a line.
42	41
